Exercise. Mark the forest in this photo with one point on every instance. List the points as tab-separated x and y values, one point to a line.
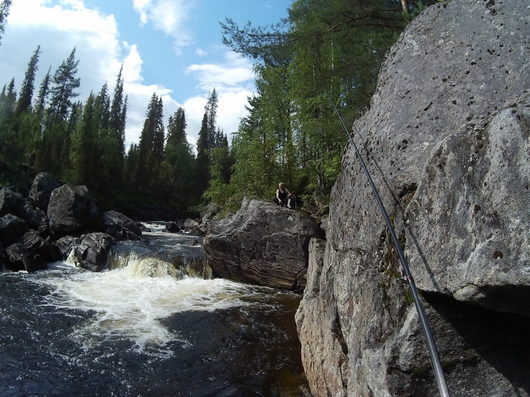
322	59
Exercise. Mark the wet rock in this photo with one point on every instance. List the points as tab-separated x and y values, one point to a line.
120	226
448	125
173	227
92	252
191	226
64	245
262	244
31	254
12	228
41	189
72	210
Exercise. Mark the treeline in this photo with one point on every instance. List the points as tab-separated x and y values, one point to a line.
324	57
84	143
326	54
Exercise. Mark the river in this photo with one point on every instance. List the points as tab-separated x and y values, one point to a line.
145	328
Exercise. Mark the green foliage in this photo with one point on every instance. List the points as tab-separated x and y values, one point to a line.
4	12
326	54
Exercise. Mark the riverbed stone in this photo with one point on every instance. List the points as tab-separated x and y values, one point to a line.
72	211
92	251
448	125
262	243
32	253
120	226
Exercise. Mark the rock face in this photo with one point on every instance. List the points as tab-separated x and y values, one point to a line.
263	244
121	227
92	252
449	125
72	210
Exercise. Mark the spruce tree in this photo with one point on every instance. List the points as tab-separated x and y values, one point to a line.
26	91
63	91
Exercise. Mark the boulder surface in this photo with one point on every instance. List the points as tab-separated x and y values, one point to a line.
449	127
72	210
262	244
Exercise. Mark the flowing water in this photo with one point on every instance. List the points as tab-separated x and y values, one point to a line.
145	328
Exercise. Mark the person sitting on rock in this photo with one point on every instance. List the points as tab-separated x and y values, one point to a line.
282	195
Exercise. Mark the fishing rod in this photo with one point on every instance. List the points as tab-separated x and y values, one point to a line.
431	345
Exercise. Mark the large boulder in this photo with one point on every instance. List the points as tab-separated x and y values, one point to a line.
41	189
14	203
262	244
72	210
31	254
12	228
449	127
92	251
120	226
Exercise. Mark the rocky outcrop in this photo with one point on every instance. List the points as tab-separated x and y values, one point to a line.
41	189
120	226
28	243
14	203
262	244
12	228
31	254
72	210
92	251
449	125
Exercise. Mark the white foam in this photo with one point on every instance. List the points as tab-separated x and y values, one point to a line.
130	302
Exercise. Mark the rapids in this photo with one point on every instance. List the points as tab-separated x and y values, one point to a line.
145	328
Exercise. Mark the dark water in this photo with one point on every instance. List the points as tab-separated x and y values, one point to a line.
71	333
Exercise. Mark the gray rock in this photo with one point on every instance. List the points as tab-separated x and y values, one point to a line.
13	203
120	226
72	210
31	254
64	245
475	185
12	228
41	189
263	244
449	114
92	252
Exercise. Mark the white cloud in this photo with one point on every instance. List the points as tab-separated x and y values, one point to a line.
233	74
61	25
233	80
200	52
168	16
66	24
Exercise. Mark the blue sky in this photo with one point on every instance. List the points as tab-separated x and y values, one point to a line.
172	47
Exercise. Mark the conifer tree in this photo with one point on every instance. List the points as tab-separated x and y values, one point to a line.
63	91
178	165
202	168
26	91
4	12
44	90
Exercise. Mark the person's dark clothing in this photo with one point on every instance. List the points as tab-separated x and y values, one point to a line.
283	196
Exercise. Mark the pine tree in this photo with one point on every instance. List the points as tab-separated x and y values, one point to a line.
211	116
40	104
26	91
178	165
63	91
202	167
151	144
